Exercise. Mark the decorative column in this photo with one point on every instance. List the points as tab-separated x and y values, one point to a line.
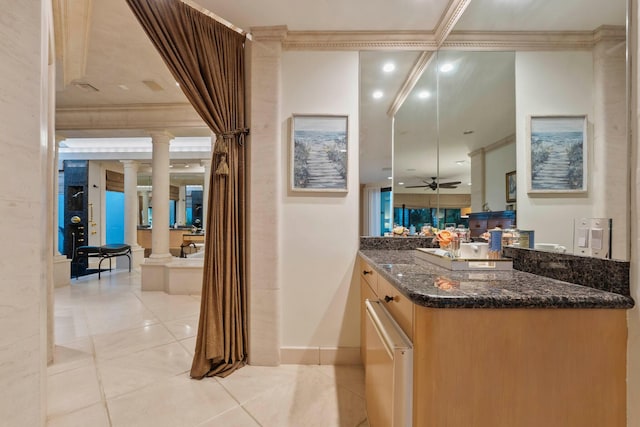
610	138
478	190
153	271
160	194
145	207
131	215
61	264
181	205
206	187
264	198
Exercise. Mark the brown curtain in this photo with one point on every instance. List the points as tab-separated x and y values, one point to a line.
207	59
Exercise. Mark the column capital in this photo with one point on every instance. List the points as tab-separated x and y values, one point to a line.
130	163
59	138
274	33
160	137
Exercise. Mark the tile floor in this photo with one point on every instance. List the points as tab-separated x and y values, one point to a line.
123	356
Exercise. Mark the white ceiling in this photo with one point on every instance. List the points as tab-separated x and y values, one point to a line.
331	15
120	57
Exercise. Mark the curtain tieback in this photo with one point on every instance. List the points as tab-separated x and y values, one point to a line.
221	147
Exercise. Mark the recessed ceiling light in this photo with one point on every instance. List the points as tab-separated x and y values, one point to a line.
177	84
123	87
445	68
187	166
468	183
424	94
389	177
170	166
401	183
460	162
377	94
389	67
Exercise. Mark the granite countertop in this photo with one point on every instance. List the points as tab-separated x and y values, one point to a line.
434	286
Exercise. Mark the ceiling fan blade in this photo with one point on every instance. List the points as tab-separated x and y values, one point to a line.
415	186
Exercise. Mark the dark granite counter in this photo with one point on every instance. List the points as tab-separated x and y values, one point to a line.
434	286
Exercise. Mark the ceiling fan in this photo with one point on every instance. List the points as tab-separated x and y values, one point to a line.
433	184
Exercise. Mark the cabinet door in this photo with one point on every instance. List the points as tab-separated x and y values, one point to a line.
369	275
399	306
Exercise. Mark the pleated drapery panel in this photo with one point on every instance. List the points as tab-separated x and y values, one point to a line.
207	59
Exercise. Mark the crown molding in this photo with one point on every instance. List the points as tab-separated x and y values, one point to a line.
428	40
360	40
128	117
533	40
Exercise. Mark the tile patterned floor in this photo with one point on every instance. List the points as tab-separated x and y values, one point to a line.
123	356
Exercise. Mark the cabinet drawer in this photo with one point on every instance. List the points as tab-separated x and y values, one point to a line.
399	306
369	275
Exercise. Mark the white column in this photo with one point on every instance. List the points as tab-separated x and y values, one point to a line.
160	193
61	264
478	191
264	198
130	202
182	205
610	142
145	207
56	184
205	188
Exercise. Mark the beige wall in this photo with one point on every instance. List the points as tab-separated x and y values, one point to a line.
551	83
23	211
319	233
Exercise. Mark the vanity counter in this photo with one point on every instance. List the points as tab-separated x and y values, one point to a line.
436	287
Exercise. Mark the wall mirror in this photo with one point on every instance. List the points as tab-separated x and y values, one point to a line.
504	63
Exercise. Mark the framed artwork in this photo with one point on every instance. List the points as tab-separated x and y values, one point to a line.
557	154
318	160
510	186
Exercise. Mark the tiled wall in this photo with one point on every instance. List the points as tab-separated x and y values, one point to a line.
604	274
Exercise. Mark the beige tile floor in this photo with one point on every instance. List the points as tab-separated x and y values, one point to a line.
122	359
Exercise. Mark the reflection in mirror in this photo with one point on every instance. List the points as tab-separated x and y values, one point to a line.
415	155
185	194
434	160
382	75
577	67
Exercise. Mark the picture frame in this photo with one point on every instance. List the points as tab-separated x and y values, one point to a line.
510	187
557	154
319	148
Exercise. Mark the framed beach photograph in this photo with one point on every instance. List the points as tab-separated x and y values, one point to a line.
318	153
557	154
510	186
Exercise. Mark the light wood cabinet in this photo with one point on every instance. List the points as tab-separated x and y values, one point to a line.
510	367
519	367
367	292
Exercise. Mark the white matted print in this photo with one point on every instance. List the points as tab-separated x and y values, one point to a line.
557	154
318	153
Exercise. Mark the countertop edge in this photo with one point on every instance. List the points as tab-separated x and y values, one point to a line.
540	302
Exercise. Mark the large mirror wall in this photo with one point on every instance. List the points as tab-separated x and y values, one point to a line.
466	118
